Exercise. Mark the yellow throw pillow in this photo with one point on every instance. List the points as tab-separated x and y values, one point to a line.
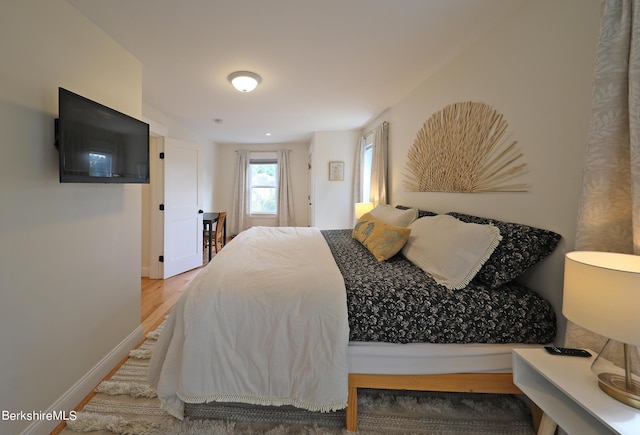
381	239
363	227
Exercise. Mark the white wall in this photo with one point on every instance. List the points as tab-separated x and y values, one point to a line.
333	200
69	253
225	173
536	68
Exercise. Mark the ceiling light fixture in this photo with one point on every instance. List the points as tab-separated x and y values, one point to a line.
244	81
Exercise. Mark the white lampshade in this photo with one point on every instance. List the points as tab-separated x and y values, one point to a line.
244	81
602	293
362	208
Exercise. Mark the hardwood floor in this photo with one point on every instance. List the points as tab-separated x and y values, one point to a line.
157	298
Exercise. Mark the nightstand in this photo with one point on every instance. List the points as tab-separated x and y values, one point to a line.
567	392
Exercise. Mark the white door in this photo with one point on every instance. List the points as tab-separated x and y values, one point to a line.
312	218
182	208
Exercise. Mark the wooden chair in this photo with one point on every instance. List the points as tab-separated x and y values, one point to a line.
218	234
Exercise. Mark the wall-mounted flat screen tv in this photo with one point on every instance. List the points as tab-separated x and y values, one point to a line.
98	144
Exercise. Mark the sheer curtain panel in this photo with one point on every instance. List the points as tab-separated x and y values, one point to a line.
609	209
239	213
286	215
379	165
357	171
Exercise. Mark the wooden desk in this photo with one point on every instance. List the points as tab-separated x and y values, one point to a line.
207	223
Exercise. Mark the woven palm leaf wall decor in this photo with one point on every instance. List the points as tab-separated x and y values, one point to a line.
463	148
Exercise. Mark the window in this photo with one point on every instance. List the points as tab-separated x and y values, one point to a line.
264	187
366	169
99	164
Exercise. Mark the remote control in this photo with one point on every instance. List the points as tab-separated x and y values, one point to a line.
567	351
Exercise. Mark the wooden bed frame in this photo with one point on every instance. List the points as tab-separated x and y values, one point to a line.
456	382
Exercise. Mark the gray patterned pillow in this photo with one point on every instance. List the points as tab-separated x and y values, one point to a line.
521	247
421	213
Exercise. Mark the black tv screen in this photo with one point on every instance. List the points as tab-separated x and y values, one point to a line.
98	144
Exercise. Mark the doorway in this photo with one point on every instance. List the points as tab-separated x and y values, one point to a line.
173	201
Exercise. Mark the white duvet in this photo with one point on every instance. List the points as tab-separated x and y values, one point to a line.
264	323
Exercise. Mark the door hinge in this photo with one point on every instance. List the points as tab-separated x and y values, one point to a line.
161	207
161	155
161	259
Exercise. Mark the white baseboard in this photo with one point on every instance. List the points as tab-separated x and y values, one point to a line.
74	395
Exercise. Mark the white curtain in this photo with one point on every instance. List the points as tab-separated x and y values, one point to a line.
379	165
357	170
609	210
285	193
239	213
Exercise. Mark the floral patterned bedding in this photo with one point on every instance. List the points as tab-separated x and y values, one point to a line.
395	301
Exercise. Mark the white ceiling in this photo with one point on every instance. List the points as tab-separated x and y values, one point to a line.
325	64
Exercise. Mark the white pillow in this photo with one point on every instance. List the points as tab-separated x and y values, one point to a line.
449	250
394	216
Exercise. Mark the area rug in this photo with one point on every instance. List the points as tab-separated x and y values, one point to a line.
126	404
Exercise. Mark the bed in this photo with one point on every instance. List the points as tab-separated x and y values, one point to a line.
384	322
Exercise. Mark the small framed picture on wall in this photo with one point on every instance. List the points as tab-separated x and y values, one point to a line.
336	171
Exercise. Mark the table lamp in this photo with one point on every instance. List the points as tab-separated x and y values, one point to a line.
362	208
602	294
